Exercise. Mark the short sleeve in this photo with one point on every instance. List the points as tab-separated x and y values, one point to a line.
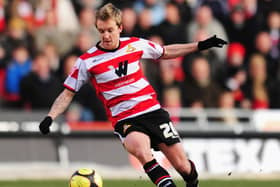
78	76
151	50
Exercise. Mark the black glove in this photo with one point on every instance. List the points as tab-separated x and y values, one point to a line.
45	125
211	42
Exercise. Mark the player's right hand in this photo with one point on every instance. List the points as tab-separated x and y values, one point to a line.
45	125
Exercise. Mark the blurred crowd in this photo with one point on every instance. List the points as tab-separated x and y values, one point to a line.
41	39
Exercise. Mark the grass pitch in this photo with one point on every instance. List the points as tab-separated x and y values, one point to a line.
143	183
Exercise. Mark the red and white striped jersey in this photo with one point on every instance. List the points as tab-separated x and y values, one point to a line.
118	78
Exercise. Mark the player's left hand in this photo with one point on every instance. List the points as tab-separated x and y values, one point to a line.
211	42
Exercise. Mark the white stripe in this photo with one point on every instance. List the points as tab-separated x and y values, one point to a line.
119	135
99	59
91	50
167	178
72	83
126	105
152	168
111	75
153	108
124	38
128	89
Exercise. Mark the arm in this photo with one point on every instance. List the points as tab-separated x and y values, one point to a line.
61	103
177	50
58	107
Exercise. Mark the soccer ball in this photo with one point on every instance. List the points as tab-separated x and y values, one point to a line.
85	177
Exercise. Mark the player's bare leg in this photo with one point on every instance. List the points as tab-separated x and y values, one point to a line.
138	144
177	157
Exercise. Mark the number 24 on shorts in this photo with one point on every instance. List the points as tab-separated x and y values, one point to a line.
168	130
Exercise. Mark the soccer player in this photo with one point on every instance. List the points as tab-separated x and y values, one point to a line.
113	68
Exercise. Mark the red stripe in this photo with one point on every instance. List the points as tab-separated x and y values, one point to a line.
161	178
68	87
153	45
120	82
89	55
75	73
104	66
101	97
140	107
99	52
147	90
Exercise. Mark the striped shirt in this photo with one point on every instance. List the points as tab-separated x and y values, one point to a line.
118	78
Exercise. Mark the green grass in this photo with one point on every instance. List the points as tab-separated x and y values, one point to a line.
144	183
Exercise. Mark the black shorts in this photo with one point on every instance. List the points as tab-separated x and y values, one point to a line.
157	125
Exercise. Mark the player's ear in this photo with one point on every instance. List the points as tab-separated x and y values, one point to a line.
121	28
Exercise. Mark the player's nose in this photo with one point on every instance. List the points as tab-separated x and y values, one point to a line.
106	35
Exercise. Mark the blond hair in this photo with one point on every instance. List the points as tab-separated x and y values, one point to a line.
109	11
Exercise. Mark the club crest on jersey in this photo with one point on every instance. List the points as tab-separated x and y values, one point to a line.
122	69
130	48
125	127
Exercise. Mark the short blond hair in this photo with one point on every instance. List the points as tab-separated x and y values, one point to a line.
109	11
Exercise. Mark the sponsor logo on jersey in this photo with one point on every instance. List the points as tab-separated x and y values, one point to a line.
130	48
122	69
125	127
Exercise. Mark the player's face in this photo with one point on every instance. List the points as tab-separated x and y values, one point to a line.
109	33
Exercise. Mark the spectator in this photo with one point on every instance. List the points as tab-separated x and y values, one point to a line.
219	8
200	91
255	18
2	16
171	72
273	28
172	101
51	53
205	20
260	92
263	45
19	66
210	55
82	44
233	75
33	86
66	18
22	10
17	35
49	33
86	22
251	7
184	10
155	7
144	27
226	108
236	26
3	57
129	20
172	29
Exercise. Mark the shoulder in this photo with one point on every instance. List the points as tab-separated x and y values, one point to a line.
92	52
128	40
